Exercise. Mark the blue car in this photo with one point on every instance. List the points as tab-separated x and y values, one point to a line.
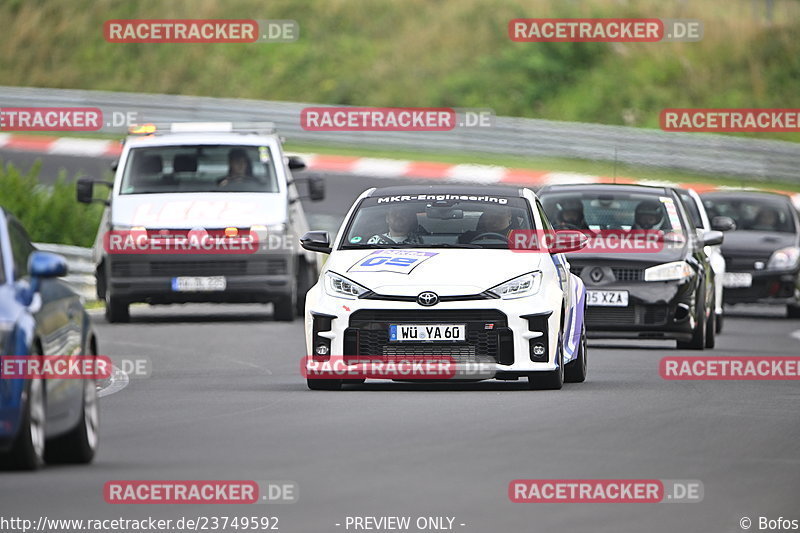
53	420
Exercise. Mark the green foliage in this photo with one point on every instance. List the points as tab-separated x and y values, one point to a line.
49	213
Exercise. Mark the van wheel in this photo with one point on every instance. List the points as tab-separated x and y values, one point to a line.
283	309
116	311
793	311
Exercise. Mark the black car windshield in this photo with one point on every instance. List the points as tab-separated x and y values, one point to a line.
612	210
200	168
754	214
436	221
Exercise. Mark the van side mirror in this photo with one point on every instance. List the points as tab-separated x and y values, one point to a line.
84	190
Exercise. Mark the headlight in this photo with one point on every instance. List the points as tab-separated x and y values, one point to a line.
784	259
341	287
519	287
669	271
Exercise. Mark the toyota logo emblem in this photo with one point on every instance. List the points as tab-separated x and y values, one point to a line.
596	274
428	298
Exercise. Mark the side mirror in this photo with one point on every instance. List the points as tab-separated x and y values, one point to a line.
296	163
114	165
712	238
316	241
721	223
84	189
316	189
568	241
47	265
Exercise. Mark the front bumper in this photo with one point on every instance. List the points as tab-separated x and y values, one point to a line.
251	278
517	336
768	287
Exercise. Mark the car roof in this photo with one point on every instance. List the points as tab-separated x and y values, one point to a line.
768	195
625	188
471	190
173	139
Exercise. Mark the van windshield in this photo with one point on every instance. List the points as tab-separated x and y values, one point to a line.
200	168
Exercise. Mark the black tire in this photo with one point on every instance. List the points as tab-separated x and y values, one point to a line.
306	276
698	341
575	371
284	309
793	311
718	322
117	311
79	446
28	450
711	328
354	381
324	384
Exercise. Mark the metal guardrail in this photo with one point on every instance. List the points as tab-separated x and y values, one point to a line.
80	276
695	152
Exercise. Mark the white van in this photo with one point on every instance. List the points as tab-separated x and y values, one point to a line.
226	186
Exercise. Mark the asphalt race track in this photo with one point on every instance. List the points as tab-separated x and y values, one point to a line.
226	401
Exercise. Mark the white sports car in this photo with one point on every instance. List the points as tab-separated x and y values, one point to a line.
428	272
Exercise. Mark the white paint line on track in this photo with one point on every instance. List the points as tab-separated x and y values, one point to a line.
567	178
380	168
483	174
796	334
118	381
4	138
87	147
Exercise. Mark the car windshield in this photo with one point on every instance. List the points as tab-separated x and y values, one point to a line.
436	221
600	210
754	214
201	168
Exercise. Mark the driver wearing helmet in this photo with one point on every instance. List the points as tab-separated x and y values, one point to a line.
493	221
571	216
403	228
648	215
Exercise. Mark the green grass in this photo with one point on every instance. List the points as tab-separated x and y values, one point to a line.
423	53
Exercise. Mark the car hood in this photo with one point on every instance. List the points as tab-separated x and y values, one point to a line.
446	272
193	210
665	255
745	242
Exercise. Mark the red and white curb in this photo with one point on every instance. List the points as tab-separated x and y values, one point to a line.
364	166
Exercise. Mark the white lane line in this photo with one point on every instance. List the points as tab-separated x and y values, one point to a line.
87	147
796	334
118	381
483	174
4	138
380	168
562	178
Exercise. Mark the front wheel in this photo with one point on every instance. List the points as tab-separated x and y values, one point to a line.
698	341
793	311
27	453
575	371
79	445
718	323
551	380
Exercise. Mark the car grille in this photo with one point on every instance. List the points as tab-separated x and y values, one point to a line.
628	274
744	263
637	315
123	268
369	333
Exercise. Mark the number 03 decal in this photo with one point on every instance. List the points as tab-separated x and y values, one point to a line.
399	261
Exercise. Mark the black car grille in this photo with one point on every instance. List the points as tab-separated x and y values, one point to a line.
744	263
636	315
369	333
628	274
123	268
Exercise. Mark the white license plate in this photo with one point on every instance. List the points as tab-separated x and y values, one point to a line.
607	298
734	280
427	332
199	283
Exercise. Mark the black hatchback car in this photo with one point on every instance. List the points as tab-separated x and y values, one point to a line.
762	254
664	293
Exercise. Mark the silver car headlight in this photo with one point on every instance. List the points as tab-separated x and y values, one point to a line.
784	259
341	287
676	270
519	287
